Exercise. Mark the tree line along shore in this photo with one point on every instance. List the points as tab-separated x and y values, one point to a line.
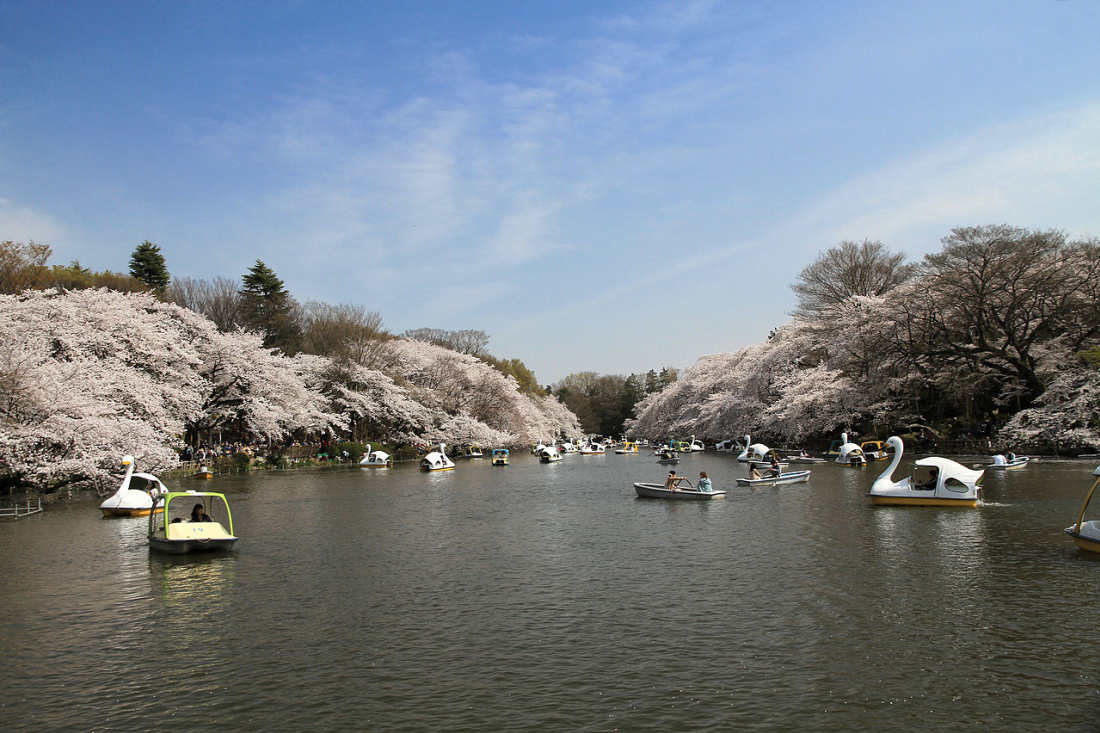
993	340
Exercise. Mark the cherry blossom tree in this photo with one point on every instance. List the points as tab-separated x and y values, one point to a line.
1067	413
89	376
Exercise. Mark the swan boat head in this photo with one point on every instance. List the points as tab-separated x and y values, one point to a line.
1087	534
744	456
885	480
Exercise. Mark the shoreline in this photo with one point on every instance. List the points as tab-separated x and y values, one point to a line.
20	497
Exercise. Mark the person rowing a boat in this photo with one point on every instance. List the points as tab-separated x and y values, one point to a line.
673	483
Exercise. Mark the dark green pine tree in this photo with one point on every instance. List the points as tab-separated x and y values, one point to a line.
266	306
147	265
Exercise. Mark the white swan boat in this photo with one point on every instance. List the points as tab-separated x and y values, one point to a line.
1087	534
550	454
568	447
1009	462
592	449
754	453
793	477
725	446
437	460
952	484
696	445
175	529
850	454
376	459
136	494
689	493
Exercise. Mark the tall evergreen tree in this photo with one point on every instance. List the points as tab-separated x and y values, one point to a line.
147	265
267	306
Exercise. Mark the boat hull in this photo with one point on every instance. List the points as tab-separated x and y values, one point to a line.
1020	463
1084	542
884	500
796	477
119	512
184	547
658	491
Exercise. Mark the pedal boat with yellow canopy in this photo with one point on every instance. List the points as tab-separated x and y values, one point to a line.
173	530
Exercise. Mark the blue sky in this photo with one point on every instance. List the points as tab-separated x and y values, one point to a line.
612	186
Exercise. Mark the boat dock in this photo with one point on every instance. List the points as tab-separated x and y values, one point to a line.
18	511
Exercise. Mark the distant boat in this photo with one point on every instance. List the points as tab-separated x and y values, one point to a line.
803	457
136	494
1009	462
437	461
500	456
850	454
550	455
794	477
754	453
375	459
874	450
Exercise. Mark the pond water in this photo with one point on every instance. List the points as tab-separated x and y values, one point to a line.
549	598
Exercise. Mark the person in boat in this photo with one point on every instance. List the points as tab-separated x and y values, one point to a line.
704	483
198	514
930	484
999	460
1011	457
777	470
753	473
673	483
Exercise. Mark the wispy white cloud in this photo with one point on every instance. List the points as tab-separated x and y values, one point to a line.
1041	170
24	223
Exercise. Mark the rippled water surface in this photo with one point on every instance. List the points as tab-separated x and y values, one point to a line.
548	598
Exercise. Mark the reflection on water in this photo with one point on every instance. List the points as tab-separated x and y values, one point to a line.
179	581
549	597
